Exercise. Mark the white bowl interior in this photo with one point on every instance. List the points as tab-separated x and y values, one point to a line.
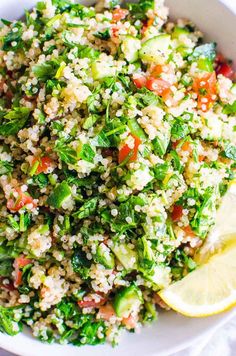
172	332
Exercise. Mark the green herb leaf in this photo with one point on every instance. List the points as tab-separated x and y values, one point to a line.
88	52
230	152
7	322
16	120
103	140
146	97
179	129
6	268
87	153
5	167
104	35
160	171
90	121
87	209
46	70
80	263
66	153
41	180
13	39
230	109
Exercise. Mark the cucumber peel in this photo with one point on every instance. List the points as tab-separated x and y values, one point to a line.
156	49
127	300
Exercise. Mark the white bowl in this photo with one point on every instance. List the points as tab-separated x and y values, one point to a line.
172	332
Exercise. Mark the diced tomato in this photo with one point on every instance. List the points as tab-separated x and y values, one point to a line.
175	144
158	85
15	204
146	25
226	70
22	261
129	322
177	213
188	231
140	81
115	30
126	151
186	146
106	312
219	58
201	158
119	14
44	164
91	303
157	70
19	263
206	89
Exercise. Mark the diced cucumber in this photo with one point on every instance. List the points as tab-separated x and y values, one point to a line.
233	89
102	69
105	256
156	49
43	229
127	300
178	31
135	129
184	51
160	278
150	312
130	47
59	195
205	64
126	256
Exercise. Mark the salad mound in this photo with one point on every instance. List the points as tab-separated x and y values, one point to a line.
117	143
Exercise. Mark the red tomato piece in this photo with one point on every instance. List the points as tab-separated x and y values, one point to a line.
140	81
186	146
146	25
119	14
15	204
115	31
106	312
158	85
177	213
126	150
19	263
201	158
129	322
188	231
91	303
226	70
157	70
175	144
206	89
219	58
22	261
44	163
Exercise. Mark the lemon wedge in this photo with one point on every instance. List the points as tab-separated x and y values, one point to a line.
211	288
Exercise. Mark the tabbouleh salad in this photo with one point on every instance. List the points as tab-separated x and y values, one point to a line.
117	142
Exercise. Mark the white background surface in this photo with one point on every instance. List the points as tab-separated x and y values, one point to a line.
223	341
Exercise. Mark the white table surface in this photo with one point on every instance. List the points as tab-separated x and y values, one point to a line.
223	341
